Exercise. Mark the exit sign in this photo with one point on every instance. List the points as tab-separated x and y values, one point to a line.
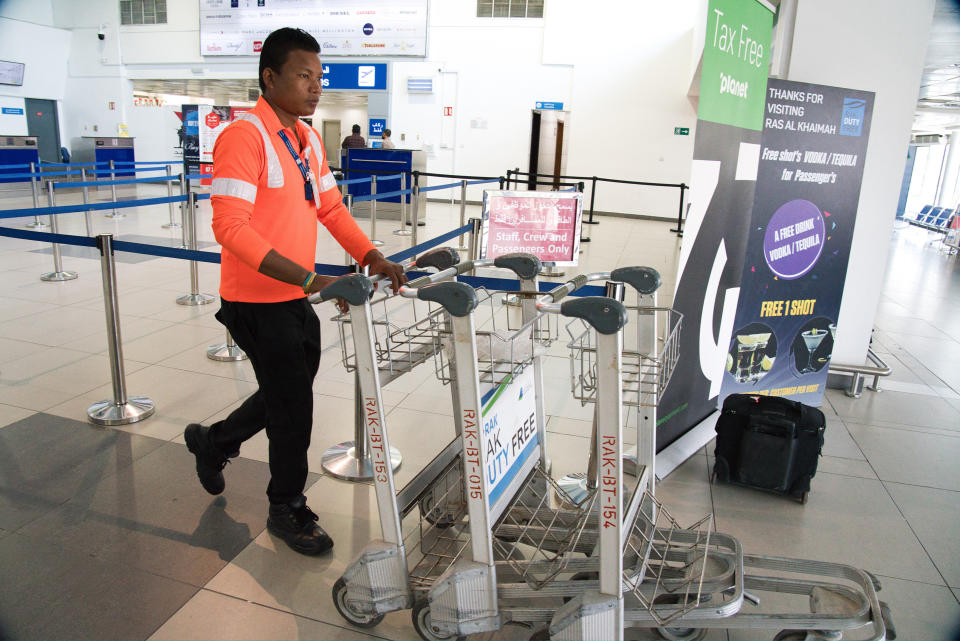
681	131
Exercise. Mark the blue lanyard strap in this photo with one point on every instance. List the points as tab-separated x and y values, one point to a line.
304	170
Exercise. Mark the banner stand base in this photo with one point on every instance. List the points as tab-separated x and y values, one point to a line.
672	456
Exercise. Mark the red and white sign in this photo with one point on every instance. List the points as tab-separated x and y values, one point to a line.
545	224
212	120
448	111
257	46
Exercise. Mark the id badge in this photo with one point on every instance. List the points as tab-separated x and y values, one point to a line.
312	192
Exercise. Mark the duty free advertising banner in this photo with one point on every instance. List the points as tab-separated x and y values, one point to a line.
190	139
808	186
733	85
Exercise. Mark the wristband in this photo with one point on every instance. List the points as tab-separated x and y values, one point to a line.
308	280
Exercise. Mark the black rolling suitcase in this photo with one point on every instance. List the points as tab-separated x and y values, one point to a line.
769	443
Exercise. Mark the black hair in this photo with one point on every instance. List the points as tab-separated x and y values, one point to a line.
387	132
279	44
355	129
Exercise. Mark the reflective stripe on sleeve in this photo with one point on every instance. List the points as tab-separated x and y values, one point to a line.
234	187
327	182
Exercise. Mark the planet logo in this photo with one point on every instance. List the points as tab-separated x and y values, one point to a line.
367	29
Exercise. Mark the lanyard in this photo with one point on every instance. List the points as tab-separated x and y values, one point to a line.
304	168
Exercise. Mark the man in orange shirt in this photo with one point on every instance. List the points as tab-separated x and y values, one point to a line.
271	184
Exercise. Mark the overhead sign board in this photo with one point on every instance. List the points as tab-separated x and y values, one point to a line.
349	76
342	27
549	106
545	224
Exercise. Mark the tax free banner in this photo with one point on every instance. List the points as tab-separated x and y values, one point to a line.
808	187
733	82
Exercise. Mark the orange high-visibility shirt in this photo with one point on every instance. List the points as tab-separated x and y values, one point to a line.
259	204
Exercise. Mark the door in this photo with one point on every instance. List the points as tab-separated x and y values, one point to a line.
42	123
331	140
558	156
534	150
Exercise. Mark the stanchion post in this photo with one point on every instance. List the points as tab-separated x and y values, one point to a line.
583	239
350	460
120	410
593	196
113	194
173	222
679	229
183	213
463	212
516	178
228	351
501	183
373	212
37	223
509	171
194	297
86	201
473	241
415	223
57	274
403	231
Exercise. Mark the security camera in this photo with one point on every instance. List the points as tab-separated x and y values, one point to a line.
102	33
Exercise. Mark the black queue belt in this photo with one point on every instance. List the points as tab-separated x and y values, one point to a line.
516	173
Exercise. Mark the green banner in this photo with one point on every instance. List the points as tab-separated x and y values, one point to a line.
736	58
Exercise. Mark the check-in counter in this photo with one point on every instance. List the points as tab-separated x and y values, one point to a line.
360	162
103	149
17	150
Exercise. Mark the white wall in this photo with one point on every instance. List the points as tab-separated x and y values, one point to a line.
35	11
879	46
625	94
45	72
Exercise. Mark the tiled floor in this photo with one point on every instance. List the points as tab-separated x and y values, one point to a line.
105	533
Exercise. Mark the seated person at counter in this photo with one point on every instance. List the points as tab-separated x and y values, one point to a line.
354	140
387	143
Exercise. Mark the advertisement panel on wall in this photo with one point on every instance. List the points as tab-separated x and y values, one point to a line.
723	173
190	138
342	27
212	120
808	188
545	224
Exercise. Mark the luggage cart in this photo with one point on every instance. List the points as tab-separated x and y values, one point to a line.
528	552
383	578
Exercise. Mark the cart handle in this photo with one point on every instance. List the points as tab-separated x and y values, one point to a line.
525	266
645	280
358	290
459	299
604	314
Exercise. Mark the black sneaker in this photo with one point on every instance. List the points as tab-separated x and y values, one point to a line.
210	461
297	526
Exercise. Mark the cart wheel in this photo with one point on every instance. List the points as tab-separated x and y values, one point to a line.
358	619
803	498
424	626
791	635
682	634
543	634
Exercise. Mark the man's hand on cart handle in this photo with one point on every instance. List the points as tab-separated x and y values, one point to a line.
319	282
378	264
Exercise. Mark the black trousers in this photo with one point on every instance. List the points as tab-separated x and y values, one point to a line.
283	343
